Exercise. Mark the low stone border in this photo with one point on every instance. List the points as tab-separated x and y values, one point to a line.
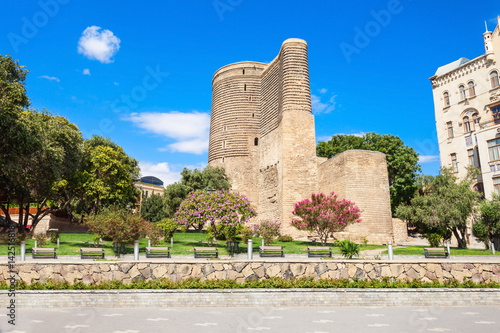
251	298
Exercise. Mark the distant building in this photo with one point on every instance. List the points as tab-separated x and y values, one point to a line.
148	186
467	109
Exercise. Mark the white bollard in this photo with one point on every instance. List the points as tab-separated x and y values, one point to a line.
35	244
136	250
492	248
250	249
149	242
171	241
262	242
389	251
23	251
448	248
57	242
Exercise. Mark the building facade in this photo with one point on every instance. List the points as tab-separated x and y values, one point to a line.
467	110
262	133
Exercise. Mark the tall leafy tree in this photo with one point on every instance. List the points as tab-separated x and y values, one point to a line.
444	204
487	225
402	161
210	178
152	208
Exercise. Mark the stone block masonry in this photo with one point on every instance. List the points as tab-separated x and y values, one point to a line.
262	132
241	271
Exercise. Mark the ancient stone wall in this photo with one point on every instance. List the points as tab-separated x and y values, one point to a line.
240	271
361	176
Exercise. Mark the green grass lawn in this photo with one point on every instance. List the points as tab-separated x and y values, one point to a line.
419	250
70	244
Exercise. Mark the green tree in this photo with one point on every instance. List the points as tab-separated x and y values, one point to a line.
108	175
487	225
402	161
444	204
152	208
210	178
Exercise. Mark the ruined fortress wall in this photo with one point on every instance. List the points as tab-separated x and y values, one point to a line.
234	124
361	176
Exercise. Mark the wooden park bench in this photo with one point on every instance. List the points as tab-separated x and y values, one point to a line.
319	251
206	252
435	252
91	253
43	252
157	252
271	251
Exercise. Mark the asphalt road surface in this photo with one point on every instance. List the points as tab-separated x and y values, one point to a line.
483	319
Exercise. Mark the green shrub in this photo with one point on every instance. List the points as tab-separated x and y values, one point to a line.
337	243
349	249
246	234
53	236
285	238
268	230
433	239
41	240
168	227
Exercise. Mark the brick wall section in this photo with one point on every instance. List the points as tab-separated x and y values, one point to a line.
361	177
259	269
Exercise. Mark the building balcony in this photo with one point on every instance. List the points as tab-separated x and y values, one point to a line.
488	124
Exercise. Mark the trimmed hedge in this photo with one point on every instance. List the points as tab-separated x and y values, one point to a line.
271	283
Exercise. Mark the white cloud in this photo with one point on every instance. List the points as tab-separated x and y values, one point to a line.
86	71
161	171
322	90
428	158
50	78
189	130
116	83
323	107
97	45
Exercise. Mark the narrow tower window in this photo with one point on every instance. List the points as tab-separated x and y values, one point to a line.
243	72
245	87
462	92
446	99
256	142
494	79
472	90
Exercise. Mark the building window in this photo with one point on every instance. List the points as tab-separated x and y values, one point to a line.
146	194
496	185
450	129
470	154
454	163
245	87
475	119
467	127
243	72
495	112
472	90
493	146
462	92
446	98
494	79
256	142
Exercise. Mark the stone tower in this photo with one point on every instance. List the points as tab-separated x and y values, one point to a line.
262	133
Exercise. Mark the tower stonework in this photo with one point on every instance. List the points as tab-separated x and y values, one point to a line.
262	133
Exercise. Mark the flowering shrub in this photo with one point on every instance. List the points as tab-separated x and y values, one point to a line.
325	214
268	230
216	210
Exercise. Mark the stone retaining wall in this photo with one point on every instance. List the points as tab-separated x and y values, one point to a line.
90	272
259	298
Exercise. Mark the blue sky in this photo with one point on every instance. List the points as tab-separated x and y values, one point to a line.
140	72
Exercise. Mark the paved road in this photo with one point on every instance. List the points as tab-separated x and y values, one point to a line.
303	320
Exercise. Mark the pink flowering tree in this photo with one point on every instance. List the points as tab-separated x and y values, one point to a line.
325	214
218	210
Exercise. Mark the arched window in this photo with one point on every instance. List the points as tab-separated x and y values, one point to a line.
494	79
256	142
462	92
472	90
466	124
475	120
446	98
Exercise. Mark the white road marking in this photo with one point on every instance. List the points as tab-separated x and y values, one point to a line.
470	313
258	328
428	318
112	315
438	329
326	311
76	326
376	315
206	324
157	319
17	332
37	321
484	322
378	325
323	321
272	317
